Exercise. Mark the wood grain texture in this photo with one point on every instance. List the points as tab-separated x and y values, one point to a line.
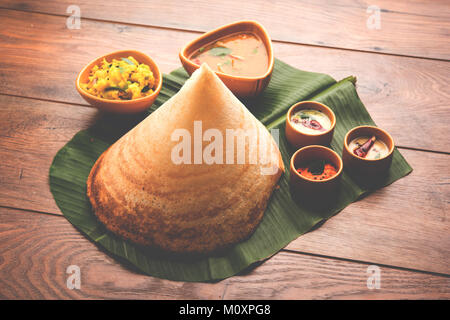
404	95
293	276
393	226
415	28
37	249
31	132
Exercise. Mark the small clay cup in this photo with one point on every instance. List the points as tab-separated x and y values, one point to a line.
300	139
367	167
309	187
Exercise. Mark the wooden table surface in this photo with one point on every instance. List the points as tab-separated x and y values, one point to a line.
403	73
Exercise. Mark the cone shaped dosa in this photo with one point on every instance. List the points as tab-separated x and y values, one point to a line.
149	189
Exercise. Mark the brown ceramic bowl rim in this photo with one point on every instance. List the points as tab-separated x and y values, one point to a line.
374	128
295	155
292	108
154	68
209	33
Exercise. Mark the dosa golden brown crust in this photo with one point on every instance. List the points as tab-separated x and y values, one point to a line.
138	192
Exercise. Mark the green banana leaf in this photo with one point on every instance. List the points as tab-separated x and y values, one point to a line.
286	217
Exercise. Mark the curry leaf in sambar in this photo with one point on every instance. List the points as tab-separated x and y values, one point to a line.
219	51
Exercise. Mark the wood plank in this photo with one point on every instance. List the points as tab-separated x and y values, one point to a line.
406	96
36	250
393	226
31	132
415	28
294	276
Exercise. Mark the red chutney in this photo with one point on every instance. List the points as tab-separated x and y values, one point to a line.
328	171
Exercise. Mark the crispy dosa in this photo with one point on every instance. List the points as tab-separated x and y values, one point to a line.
140	192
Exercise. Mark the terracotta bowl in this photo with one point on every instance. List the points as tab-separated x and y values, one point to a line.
239	85
309	187
120	106
367	166
300	139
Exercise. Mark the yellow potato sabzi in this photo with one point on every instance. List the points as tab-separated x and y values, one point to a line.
123	79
